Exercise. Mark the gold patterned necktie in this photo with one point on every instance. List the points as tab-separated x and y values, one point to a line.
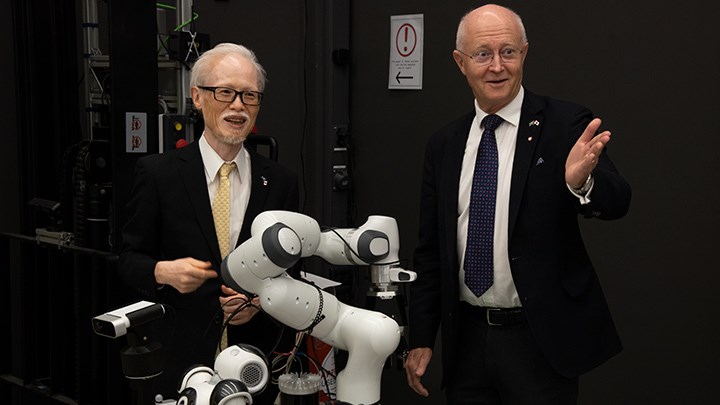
221	208
221	217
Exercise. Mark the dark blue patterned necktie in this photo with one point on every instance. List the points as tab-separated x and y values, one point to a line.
481	218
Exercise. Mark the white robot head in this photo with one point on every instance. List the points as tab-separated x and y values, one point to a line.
201	385
245	363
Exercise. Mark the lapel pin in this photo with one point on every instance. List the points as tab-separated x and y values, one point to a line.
534	123
264	180
539	162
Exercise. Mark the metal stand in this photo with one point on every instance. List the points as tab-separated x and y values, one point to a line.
142	360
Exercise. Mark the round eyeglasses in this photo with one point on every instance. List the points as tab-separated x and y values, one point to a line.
486	56
228	95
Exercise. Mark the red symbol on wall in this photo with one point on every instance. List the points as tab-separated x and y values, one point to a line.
405	40
135	124
136	142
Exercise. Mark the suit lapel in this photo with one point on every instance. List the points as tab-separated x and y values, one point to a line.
450	182
192	173
528	136
261	181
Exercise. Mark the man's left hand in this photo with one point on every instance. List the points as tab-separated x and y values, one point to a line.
231	300
585	154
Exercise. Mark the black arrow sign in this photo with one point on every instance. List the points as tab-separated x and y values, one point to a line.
398	77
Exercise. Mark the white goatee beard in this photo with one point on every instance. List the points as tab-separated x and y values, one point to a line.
231	140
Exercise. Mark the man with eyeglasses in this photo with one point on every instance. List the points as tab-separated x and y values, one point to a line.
501	263
172	241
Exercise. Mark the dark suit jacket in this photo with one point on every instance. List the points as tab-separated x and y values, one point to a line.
557	284
170	217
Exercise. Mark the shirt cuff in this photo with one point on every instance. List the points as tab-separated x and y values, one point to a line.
583	193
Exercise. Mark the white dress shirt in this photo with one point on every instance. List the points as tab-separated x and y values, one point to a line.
240	182
502	294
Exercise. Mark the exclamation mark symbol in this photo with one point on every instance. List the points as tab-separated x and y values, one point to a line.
406	39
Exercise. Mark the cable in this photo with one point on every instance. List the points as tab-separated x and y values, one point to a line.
331	229
290	357
162	103
179	27
245	303
163	42
213	319
298	339
323	373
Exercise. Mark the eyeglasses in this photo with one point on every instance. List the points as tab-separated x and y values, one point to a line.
485	56
228	95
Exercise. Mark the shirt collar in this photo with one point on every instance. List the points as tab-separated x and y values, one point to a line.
212	161
510	113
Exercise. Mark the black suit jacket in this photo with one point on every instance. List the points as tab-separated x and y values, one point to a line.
557	284
170	217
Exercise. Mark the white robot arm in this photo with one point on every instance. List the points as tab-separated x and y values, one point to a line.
279	239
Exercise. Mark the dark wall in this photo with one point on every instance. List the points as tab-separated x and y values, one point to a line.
9	220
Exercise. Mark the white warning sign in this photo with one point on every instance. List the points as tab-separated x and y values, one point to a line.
406	52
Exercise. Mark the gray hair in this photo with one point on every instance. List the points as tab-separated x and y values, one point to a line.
201	68
460	36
